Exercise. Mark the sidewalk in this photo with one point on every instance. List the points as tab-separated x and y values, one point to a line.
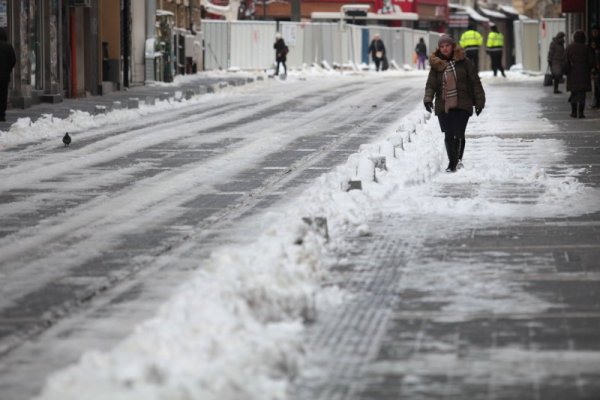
459	306
199	83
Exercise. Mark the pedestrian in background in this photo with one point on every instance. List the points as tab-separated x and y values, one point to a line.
495	47
471	41
7	63
281	51
579	64
595	46
556	59
377	50
421	51
454	84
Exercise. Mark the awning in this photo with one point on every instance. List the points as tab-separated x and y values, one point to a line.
509	10
398	16
470	11
492	13
163	13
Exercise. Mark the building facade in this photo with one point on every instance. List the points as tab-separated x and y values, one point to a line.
76	48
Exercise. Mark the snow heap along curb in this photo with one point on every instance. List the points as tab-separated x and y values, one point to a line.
234	331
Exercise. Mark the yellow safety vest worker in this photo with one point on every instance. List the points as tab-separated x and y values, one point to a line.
495	39
471	38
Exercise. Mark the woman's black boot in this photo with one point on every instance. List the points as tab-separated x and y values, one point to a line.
573	110
580	108
452	151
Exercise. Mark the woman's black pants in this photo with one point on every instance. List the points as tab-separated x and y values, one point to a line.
454	125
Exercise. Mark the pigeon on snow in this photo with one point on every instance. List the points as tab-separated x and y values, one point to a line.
67	139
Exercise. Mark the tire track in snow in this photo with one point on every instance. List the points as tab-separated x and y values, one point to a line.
90	233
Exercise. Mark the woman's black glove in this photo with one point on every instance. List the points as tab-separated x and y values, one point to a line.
428	106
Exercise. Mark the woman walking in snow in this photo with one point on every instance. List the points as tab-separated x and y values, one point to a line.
556	59
454	84
377	50
421	50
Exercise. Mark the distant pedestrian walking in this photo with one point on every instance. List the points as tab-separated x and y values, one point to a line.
377	50
578	67
7	63
556	59
471	41
281	51
454	84
495	47
421	51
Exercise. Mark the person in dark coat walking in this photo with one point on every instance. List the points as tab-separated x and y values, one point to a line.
421	51
455	85
377	50
281	51
7	63
579	64
556	59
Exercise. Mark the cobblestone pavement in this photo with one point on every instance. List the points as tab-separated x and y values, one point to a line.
48	318
458	308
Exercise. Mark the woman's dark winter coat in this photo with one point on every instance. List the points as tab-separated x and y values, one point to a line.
580	59
470	91
280	50
556	56
375	46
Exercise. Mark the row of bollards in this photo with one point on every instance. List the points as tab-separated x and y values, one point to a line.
367	166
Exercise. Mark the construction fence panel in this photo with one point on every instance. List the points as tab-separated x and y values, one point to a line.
330	43
408	48
216	44
518	31
395	46
355	49
311	51
252	44
530	41
552	27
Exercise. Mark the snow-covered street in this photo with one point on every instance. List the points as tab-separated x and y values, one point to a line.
177	252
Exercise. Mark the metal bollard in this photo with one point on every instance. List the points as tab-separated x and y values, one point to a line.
319	225
133	102
354	185
379	162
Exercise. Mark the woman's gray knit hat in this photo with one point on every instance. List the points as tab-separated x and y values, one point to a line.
446	39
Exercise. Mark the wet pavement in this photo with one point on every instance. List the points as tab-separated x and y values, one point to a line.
454	308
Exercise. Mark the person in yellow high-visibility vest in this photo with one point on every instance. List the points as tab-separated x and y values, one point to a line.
495	46
471	41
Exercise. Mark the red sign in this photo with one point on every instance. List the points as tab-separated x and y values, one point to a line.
573	6
406	5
